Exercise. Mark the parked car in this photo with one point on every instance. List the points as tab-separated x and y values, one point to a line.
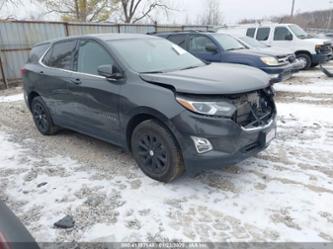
281	53
214	47
13	234
312	51
151	97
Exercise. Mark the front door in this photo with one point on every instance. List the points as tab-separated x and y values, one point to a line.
94	98
201	46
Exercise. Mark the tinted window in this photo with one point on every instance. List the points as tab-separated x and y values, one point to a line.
153	55
282	34
263	34
250	32
91	55
37	52
180	40
61	55
199	43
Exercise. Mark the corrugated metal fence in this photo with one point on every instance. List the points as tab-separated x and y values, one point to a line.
17	38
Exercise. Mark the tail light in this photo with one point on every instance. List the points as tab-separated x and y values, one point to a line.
23	73
3	243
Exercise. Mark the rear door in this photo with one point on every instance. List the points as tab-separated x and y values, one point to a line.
54	76
198	46
94	102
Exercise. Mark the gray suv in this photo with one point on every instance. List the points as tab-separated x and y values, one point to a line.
152	98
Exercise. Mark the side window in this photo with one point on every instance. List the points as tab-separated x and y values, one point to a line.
61	55
180	40
91	55
250	32
37	52
282	34
199	43
263	34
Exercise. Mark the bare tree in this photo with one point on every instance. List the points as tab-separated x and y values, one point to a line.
80	10
134	11
7	3
213	14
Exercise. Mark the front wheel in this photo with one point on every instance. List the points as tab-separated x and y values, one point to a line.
306	59
156	152
42	117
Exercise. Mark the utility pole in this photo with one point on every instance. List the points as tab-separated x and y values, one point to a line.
292	8
330	19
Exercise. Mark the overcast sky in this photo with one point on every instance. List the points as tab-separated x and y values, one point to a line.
232	10
235	10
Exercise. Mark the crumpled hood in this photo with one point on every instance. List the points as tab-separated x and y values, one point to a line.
215	78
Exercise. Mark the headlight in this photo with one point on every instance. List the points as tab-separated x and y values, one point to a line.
271	61
218	108
318	47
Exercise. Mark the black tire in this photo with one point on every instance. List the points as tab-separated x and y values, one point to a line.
156	152
42	117
306	58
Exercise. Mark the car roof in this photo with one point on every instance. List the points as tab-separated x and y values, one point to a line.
182	33
104	37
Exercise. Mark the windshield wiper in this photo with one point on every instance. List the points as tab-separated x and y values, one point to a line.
152	72
232	49
191	67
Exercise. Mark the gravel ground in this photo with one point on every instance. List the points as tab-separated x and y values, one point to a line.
283	194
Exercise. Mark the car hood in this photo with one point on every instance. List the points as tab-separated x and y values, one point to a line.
274	51
215	78
251	51
318	41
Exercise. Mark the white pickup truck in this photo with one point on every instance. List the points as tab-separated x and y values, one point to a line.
312	51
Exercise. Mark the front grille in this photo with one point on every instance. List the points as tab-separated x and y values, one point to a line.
254	109
325	49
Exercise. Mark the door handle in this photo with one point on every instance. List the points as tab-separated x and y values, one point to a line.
41	72
76	81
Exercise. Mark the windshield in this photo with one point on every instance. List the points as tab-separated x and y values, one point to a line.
299	32
253	42
154	55
228	42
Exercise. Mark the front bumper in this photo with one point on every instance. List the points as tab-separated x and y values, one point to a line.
279	73
231	143
321	58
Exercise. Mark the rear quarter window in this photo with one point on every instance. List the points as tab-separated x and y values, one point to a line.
61	55
37	52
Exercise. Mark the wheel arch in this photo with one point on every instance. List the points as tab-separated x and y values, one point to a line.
31	96
144	114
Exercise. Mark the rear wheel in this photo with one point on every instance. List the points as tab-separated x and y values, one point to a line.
42	117
306	59
156	151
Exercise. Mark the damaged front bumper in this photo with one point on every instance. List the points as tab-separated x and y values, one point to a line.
232	139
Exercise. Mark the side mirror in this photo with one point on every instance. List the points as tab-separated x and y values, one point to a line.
211	48
110	72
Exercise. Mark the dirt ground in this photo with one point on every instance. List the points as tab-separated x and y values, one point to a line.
283	194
